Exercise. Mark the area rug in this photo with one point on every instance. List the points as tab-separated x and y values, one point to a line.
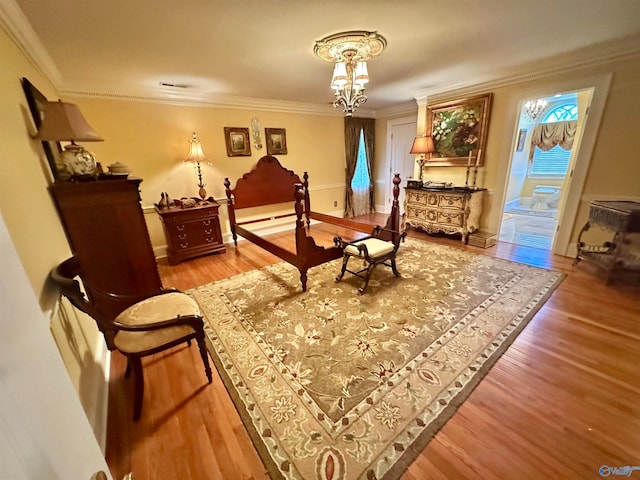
332	385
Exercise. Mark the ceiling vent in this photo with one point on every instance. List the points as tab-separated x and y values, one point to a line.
173	85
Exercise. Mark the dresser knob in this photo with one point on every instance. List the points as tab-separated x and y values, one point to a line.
206	222
180	227
207	231
209	239
182	236
184	245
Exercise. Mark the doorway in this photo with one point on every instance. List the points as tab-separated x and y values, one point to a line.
401	133
541	174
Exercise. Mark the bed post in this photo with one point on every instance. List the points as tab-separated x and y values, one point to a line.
231	211
301	237
307	204
393	222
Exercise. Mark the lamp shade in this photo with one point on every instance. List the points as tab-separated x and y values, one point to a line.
63	122
195	154
362	74
422	145
339	79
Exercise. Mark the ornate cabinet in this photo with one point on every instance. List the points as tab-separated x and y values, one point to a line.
621	219
450	210
107	233
191	232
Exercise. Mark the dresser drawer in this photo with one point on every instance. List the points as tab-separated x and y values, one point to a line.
450	218
451	201
417	198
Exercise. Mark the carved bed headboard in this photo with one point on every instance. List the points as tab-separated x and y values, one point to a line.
266	184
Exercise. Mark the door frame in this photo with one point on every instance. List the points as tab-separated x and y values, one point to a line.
391	124
600	84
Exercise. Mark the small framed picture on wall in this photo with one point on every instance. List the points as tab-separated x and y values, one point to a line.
522	137
276	141
237	141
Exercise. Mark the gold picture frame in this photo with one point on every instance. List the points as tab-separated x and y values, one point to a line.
276	141
522	136
237	141
457	128
36	102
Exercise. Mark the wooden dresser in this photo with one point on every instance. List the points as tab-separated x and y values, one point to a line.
191	232
452	211
107	233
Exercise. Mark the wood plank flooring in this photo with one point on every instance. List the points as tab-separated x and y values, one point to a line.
562	401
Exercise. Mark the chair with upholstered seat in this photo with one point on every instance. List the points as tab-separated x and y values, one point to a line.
147	326
376	249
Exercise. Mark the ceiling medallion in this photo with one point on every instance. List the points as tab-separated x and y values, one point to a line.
349	52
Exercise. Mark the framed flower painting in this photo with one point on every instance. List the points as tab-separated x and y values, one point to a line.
458	128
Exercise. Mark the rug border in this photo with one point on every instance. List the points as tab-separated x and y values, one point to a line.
273	470
415	449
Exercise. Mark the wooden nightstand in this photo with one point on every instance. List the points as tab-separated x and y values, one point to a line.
191	232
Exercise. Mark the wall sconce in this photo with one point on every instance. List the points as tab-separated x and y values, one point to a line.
63	122
421	146
196	155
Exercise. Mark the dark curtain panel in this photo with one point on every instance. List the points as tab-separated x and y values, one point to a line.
352	128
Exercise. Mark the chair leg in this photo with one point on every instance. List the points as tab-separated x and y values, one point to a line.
127	371
138	385
205	356
367	278
394	268
345	260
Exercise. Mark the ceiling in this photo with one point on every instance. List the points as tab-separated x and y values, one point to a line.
262	50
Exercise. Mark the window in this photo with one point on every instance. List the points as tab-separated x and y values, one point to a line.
361	176
360	181
562	113
554	162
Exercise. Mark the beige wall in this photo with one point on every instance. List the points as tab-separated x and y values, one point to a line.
36	232
152	139
613	170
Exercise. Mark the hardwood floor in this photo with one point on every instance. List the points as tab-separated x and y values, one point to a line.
561	402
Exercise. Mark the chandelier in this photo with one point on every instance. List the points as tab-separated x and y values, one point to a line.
350	51
534	108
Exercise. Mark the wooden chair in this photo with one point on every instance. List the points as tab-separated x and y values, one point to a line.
147	326
379	248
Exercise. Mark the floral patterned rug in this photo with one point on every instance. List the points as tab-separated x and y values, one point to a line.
332	385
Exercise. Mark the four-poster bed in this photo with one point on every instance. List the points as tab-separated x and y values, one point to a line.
269	183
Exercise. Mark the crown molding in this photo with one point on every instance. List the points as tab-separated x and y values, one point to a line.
18	28
200	99
628	49
407	108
